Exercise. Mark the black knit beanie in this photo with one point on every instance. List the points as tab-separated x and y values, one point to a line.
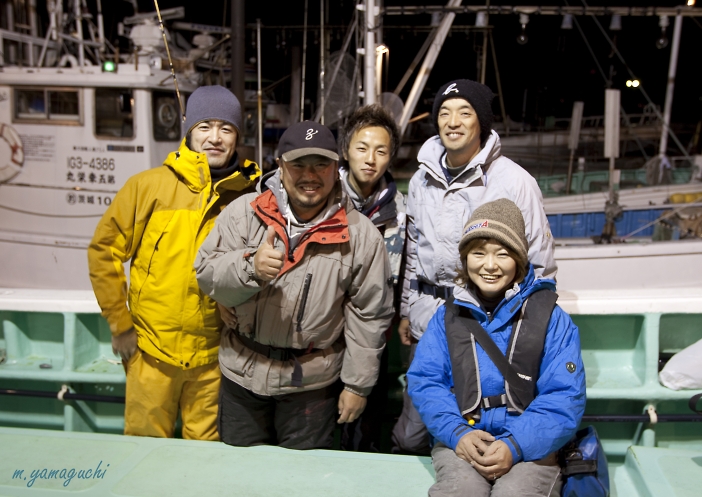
478	95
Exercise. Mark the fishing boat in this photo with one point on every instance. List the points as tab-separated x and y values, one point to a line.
75	125
72	135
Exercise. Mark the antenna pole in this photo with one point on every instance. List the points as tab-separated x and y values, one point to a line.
304	66
321	61
259	94
170	61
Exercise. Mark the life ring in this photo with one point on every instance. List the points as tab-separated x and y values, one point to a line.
10	163
167	115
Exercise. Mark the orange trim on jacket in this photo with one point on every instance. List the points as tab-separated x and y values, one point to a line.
333	230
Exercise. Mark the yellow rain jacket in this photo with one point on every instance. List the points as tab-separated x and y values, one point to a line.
158	220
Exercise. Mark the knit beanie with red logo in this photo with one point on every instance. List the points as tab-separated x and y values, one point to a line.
501	220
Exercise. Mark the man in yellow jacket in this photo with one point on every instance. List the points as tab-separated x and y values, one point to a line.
165	329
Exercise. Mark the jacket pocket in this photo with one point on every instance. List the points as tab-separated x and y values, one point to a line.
147	255
236	357
319	368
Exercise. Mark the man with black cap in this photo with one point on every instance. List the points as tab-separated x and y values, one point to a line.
310	285
166	331
459	169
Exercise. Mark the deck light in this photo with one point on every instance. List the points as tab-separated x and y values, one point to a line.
632	83
567	22
690	3
522	39
662	40
109	66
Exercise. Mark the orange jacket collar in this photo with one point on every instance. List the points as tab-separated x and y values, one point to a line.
333	230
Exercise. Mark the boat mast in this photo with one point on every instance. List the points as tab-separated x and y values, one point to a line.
675	49
427	66
369	96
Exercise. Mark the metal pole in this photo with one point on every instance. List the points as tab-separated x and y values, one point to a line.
675	49
574	138
238	50
499	83
427	66
79	32
483	58
321	61
369	89
51	33
304	66
259	94
570	172
347	40
295	56
33	30
415	62
101	27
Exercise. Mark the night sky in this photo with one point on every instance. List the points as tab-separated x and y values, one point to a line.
555	66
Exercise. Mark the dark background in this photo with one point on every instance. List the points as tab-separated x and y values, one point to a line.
555	67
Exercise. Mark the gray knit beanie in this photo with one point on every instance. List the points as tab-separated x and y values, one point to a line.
212	102
501	220
478	96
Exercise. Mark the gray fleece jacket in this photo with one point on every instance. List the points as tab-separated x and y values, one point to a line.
438	210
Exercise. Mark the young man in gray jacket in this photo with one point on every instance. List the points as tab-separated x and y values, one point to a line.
310	285
368	144
459	170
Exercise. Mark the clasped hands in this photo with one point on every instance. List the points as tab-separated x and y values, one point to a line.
491	458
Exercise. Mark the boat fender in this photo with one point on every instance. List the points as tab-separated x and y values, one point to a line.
68	59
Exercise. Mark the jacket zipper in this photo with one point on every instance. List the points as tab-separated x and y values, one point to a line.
303	301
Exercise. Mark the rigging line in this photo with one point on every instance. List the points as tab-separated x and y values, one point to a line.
663	216
608	84
643	91
48	215
170	61
304	66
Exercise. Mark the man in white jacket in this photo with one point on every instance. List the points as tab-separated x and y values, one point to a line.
459	170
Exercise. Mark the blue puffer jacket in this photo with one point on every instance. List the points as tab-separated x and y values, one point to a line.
549	421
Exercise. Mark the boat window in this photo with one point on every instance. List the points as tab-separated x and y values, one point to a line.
59	106
114	116
166	115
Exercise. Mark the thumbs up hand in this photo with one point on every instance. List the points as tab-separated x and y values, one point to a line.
268	261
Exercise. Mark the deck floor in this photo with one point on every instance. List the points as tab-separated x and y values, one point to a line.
40	463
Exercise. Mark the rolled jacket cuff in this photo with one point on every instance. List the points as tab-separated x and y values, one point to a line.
517	455
121	325
360	391
457	434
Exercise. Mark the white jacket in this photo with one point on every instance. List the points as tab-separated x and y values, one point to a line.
437	212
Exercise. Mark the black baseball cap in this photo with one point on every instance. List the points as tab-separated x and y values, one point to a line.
307	138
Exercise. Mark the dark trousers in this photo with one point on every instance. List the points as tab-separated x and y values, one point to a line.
304	420
410	436
364	434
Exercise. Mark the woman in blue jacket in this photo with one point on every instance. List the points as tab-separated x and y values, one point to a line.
496	436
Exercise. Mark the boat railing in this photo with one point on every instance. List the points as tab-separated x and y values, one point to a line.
56	338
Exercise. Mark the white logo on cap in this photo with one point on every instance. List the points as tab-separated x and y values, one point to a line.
310	133
452	87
